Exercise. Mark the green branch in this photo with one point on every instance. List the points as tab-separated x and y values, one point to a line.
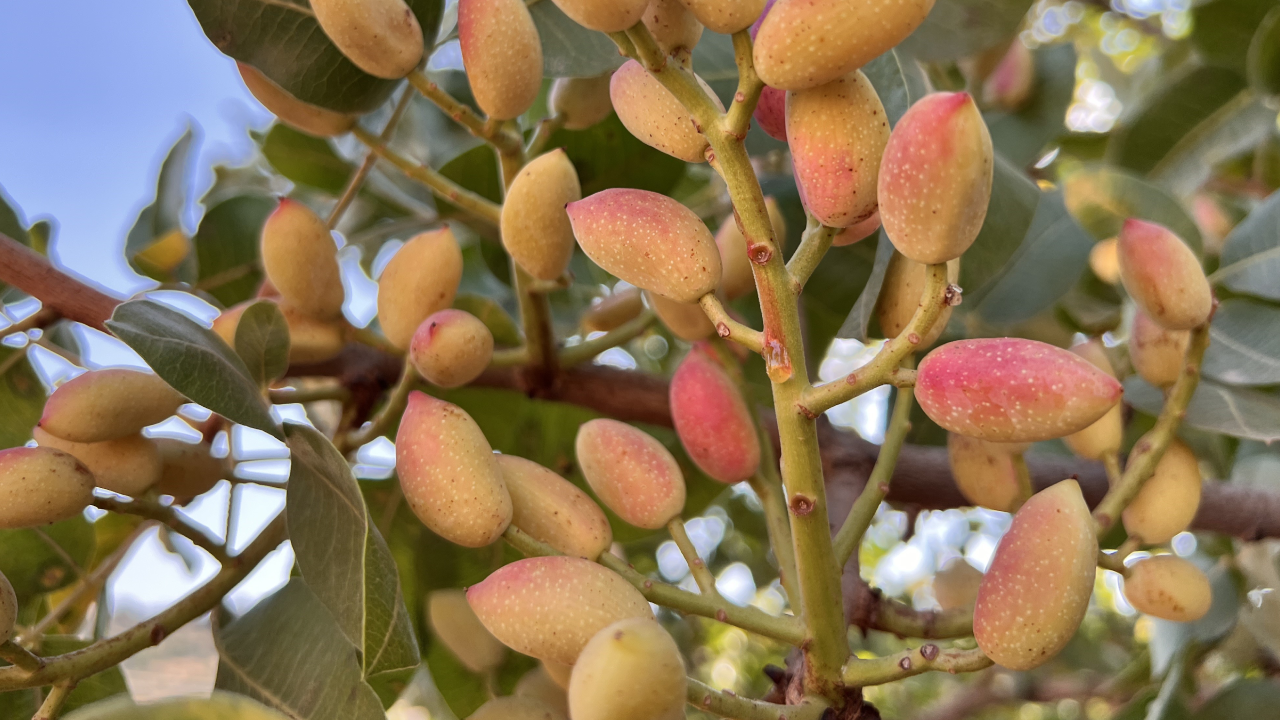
624	333
697	567
738	120
490	131
357	178
813	247
728	328
727	704
168	516
387	416
927	657
20	657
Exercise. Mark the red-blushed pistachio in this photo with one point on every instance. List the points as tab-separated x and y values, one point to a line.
956	584
858	231
686	321
311	340
1169	588
1012	390
1104	261
549	607
451	348
1168	500
1104	435
502	54
737	277
107	404
935	178
537	684
771	112
1163	275
581	102
515	708
40	485
1157	354
648	240
8	609
654	115
837	133
189	469
455	624
420	280
1009	85
535	228
674	28
604	15
291	111
554	510
712	418
984	471
614	310
806	43
300	259
127	465
726	16
382	37
1037	589
631	472
901	295
630	670
449	474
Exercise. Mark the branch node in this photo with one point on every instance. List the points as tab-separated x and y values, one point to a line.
801	505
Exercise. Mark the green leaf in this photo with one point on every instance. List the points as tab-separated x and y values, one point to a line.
227	247
289	654
1223	29
11	220
1244	348
500	324
1013	206
192	359
221	706
163	217
262	342
1102	198
1244	698
475	170
306	159
1250	260
1043	269
1176	110
858	322
898	80
1263	66
1136	708
43	559
345	561
958	28
606	156
463	690
1021	136
570	50
1235	411
1169	638
21	395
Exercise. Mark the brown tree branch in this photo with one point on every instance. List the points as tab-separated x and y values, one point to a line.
71	297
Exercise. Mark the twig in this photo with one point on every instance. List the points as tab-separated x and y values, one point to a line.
738	120
20	657
542	135
167	516
52	705
388	415
357	178
490	131
726	704
927	657
701	573
813	247
728	328
33	274
588	349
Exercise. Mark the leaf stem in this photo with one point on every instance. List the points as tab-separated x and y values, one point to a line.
927	657
813	247
167	516
727	327
588	349
697	566
488	130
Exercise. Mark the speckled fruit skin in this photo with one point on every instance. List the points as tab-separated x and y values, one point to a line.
451	348
726	16
310	340
631	472
455	624
449	474
956	584
1168	500
1163	275
107	404
857	231
582	102
712	418
1168	587
737	275
654	115
189	469
382	37
1037	589
300	260
421	279
983	471
502	55
805	43
8	609
549	607
604	15
900	295
128	465
630	670
674	28
1012	390
537	684
621	307
648	240
771	113
291	111
1009	85
39	486
515	708
837	133
1157	354
554	510
535	228
1104	435
935	178
686	321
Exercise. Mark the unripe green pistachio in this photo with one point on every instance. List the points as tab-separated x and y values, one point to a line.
455	624
451	348
1168	500
128	465
613	311
1157	354
516	708
420	280
189	469
654	115
902	293
535	227
300	259
686	321
382	37
581	102
984	471
502	54
1168	587
1163	276
41	485
631	472
108	404
290	110
1103	437
553	510
604	15
630	670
